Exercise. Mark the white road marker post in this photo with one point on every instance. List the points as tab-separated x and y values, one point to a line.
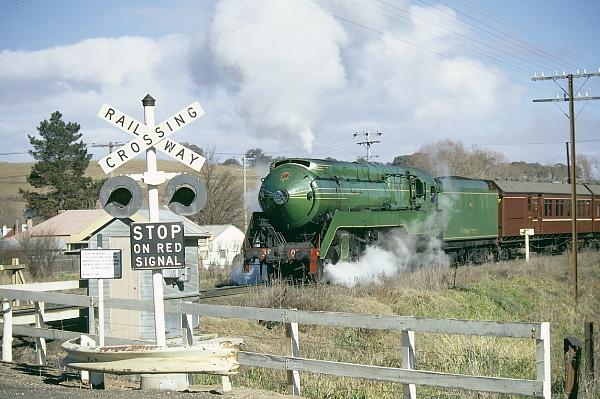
157	278
526	233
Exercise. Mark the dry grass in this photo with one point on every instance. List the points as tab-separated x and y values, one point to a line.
509	291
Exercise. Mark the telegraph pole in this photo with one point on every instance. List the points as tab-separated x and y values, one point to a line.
244	159
367	143
110	146
569	96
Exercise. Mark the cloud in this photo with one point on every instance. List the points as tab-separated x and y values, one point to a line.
273	74
285	57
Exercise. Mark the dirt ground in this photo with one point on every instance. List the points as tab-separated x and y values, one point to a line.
21	379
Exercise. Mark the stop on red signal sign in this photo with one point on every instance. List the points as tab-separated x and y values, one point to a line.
157	245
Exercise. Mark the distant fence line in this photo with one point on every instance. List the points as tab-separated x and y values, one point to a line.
294	364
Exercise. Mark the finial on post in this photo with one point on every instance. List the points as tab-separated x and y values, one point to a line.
148	101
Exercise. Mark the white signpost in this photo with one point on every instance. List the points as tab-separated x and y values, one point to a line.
526	233
150	137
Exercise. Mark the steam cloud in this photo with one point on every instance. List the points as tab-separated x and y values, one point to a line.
285	59
399	252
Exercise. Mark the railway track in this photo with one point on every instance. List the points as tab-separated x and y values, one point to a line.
226	291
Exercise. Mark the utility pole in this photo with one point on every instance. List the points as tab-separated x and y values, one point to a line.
244	159
367	143
569	96
110	146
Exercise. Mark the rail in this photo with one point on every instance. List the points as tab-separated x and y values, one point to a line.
293	364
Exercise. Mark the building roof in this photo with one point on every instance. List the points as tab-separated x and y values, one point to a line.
218	229
525	187
78	225
68	223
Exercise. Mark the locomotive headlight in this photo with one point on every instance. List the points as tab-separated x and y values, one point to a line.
280	197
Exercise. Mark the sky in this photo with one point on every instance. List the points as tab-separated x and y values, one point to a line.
300	77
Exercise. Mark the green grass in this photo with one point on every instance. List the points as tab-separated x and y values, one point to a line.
508	291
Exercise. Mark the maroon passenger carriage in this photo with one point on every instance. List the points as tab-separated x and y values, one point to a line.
546	208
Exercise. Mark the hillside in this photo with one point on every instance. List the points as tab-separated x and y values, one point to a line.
14	176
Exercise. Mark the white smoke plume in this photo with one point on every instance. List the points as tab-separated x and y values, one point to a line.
285	58
399	252
261	170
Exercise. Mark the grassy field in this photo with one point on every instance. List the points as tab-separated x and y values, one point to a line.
507	291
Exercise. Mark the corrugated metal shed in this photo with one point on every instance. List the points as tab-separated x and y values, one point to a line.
524	187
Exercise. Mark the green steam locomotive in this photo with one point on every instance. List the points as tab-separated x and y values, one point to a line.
317	212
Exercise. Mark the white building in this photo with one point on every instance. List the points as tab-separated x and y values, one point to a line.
224	246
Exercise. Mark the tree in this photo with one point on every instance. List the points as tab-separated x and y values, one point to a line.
193	147
59	171
258	156
448	157
40	251
225	203
231	162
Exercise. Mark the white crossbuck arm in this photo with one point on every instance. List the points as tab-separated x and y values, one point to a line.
146	137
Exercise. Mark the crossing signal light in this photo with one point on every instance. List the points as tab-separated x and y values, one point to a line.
185	195
121	196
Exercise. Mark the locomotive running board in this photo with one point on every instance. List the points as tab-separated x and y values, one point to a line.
413	221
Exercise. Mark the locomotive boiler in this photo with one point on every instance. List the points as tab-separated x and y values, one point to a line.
316	212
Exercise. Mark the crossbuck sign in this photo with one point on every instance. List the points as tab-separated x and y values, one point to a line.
155	136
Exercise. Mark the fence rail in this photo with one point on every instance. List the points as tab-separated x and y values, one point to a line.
293	364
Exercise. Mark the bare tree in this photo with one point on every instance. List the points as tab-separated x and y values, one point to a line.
41	252
225	204
448	157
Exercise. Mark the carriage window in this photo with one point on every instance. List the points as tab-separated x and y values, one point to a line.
548	208
583	208
560	208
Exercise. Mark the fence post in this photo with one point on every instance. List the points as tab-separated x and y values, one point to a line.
7	330
91	314
187	337
589	351
542	359
187	333
572	350
293	376
40	342
408	361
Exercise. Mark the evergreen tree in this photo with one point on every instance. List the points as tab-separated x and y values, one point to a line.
59	171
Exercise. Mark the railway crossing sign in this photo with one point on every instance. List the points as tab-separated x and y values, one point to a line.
151	136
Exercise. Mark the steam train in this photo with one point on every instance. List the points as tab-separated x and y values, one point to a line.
317	212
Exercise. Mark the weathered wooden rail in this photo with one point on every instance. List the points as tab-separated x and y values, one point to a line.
294	364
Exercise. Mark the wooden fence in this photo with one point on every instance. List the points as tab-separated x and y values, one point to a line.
293	364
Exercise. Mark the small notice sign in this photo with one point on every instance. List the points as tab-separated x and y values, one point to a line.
157	245
100	263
